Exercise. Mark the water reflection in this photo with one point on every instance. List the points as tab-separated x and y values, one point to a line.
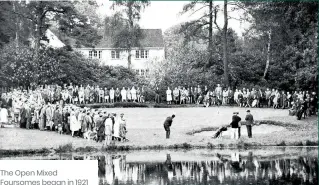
222	169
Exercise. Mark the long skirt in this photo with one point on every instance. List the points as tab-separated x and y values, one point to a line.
169	97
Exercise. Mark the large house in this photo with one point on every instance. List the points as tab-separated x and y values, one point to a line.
150	49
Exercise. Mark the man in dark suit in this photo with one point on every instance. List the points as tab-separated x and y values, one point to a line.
249	122
235	125
167	124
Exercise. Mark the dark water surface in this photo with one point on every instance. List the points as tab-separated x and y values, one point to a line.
241	167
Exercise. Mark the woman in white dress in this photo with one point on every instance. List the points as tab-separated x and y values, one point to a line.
81	95
3	116
74	123
133	93
169	95
276	99
123	94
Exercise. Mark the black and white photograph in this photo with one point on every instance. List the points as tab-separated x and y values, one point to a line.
161	92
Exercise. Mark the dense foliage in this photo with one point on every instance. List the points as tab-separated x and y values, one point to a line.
19	66
27	22
292	28
279	50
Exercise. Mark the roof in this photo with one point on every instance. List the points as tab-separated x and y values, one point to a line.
150	38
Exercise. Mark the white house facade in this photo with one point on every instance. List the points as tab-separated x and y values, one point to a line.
151	48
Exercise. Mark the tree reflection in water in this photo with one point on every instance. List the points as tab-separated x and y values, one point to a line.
233	169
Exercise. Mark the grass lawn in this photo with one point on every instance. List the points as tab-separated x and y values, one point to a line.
145	130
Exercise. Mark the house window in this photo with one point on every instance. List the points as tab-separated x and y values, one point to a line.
147	72
142	72
100	54
141	54
95	54
137	71
90	54
115	54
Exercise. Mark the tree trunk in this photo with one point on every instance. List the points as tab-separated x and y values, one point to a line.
37	35
225	57
131	27
268	55
38	31
210	35
129	59
17	26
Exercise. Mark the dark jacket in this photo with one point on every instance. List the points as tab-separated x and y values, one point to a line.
236	119
249	119
57	117
168	122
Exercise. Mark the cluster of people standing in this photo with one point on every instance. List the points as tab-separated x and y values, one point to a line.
242	97
86	95
236	125
32	111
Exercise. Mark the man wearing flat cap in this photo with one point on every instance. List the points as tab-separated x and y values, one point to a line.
249	122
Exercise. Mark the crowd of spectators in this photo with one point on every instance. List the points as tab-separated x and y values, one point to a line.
298	102
46	108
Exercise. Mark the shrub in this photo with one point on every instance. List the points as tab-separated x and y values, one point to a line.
311	143
282	143
65	148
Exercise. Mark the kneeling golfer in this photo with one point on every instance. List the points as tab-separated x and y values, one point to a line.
167	124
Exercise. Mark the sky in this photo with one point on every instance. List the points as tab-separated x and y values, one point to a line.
165	14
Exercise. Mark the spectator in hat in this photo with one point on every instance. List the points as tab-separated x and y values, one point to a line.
167	124
249	122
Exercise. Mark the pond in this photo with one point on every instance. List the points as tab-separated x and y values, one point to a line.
277	165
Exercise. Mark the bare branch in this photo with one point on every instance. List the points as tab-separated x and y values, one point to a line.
215	17
198	10
238	19
239	5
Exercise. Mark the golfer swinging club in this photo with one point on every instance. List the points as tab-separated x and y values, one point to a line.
167	124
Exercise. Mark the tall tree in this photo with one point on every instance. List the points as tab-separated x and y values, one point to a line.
224	31
201	28
129	36
42	14
285	29
194	29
